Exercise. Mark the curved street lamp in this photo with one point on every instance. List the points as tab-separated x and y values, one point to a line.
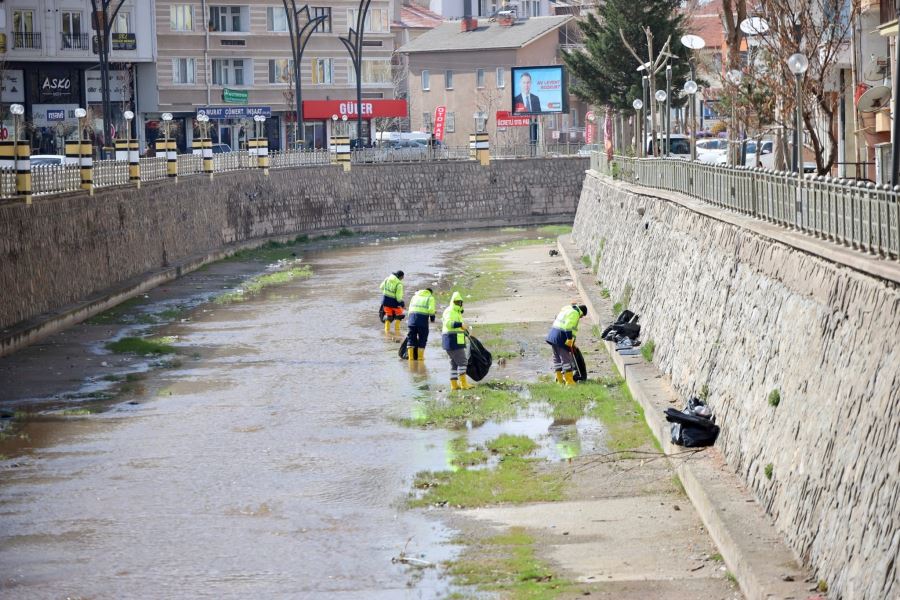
354	44
690	88
300	36
638	105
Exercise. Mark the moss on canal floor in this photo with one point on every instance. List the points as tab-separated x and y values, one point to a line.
514	479
142	346
507	563
285	272
491	401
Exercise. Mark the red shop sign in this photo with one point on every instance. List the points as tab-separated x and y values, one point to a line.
505	119
325	109
440	115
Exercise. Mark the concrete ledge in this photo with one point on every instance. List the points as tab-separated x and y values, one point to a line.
750	545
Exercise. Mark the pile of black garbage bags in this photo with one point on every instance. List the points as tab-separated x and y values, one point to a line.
625	332
694	426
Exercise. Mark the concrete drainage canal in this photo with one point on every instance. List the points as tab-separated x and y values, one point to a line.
249	430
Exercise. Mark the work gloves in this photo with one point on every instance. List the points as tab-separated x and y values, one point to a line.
570	343
432	318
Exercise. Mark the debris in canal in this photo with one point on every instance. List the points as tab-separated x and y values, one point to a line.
141	346
283	272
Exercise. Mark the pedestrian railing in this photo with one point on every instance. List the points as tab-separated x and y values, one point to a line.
409	154
190	164
153	168
860	214
55	179
280	159
110	172
537	151
7	182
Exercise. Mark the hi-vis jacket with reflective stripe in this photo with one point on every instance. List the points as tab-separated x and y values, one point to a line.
392	288
421	307
565	327
453	335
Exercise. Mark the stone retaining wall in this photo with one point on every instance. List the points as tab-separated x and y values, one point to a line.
742	315
64	249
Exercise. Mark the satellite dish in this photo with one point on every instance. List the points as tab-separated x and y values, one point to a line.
694	42
754	26
876	69
874	99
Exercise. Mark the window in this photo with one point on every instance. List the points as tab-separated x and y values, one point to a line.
228	71
281	70
426	80
573	117
276	19
376	20
450	124
479	78
531	8
181	17
426	121
226	18
323	70
71	23
448	80
183	70
323	11
122	24
375	71
23	21
501	77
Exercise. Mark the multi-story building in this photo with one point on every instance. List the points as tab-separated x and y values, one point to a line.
232	59
455	9
49	64
467	70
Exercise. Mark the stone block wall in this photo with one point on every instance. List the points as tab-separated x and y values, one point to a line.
64	249
742	315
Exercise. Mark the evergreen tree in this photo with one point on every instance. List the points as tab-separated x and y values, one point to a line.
605	72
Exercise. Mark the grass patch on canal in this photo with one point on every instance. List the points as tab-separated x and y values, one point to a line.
515	479
491	401
494	338
142	346
285	272
507	563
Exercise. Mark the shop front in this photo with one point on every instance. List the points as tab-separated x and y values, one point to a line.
325	119
234	125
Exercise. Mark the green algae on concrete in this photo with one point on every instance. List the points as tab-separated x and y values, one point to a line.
286	271
515	479
141	346
489	401
507	563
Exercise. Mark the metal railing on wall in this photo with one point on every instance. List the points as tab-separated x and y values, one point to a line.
859	214
67	177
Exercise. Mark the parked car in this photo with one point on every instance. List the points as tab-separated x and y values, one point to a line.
51	159
709	150
680	145
587	149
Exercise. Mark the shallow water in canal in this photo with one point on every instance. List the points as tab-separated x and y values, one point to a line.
269	465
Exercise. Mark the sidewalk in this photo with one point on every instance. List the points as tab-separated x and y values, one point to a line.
765	568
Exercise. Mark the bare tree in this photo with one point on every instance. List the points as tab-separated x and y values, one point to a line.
652	68
821	30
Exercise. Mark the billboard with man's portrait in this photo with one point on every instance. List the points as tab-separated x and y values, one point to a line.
539	90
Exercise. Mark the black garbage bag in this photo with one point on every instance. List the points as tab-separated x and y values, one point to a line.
580	367
690	430
625	325
480	360
403	352
381	316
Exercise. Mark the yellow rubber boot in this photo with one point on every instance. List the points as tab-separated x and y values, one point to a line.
421	352
411	355
569	377
464	383
397	327
559	378
454	385
387	326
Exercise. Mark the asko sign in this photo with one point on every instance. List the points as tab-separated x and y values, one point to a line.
371	109
440	117
505	119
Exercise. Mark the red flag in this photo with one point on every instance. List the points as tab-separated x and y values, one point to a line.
608	135
440	116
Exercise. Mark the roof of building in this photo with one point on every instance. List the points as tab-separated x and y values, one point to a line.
417	17
707	23
489	35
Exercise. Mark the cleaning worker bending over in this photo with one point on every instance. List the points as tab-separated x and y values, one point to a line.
562	339
454	342
392	301
421	309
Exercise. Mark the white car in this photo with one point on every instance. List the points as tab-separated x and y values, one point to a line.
767	157
38	160
709	150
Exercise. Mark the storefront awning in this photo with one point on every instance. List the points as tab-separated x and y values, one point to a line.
326	109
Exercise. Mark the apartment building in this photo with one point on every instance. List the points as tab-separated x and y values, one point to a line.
456	9
468	72
49	64
232	60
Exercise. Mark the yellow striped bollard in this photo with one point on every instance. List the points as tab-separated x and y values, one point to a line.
208	163
342	151
172	159
17	158
472	152
134	163
482	149
252	145
262	155
86	161
160	146
121	150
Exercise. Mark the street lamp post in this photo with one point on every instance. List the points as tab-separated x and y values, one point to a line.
895	133
638	104
354	44
661	98
645	102
668	110
17	111
299	38
798	64
690	88
734	77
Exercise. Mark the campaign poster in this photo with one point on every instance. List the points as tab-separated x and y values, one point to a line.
539	90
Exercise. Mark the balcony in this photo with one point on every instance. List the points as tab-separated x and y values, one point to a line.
75	41
27	40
